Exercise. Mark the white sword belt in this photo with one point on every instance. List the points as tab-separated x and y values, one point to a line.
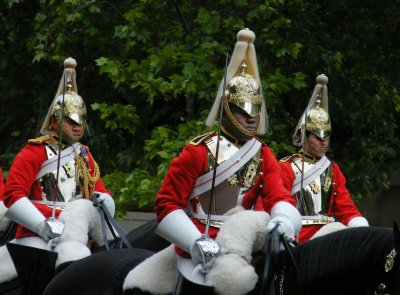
317	219
215	220
51	204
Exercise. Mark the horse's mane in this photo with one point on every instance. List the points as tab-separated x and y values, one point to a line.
353	255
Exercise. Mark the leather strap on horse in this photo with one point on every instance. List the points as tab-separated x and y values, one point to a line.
272	249
287	248
105	216
9	233
271	255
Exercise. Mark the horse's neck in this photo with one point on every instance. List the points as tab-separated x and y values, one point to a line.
342	261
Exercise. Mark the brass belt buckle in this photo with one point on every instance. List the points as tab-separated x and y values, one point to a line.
213	223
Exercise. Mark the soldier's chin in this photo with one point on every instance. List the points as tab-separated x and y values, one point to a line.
78	137
250	133
72	138
318	151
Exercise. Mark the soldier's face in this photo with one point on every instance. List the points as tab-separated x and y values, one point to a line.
71	128
242	126
316	146
244	119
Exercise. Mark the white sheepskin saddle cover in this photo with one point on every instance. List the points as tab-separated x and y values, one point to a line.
7	268
241	234
81	221
155	275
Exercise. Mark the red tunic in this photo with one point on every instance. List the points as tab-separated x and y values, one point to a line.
341	206
21	181
192	163
1	184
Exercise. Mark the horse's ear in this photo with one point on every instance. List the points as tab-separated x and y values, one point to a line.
396	233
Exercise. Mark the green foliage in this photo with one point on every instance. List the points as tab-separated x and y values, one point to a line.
150	70
117	116
139	187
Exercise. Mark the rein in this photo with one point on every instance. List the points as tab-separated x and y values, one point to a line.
272	249
267	282
105	217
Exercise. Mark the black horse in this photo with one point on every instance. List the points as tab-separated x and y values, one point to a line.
350	261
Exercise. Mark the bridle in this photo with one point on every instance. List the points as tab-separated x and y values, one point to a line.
272	249
392	263
390	266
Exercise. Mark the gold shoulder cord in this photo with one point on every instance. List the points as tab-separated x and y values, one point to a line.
84	173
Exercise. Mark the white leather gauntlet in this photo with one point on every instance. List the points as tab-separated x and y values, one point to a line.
287	219
26	214
177	228
108	201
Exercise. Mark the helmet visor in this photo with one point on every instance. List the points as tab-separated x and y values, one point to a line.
250	108
321	134
77	118
74	108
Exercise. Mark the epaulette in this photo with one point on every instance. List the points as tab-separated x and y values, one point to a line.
199	139
285	159
260	140
40	139
85	147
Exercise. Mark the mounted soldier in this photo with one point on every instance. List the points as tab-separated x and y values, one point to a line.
316	182
52	181
213	175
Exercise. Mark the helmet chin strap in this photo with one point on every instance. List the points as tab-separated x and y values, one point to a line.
230	135
317	149
235	123
71	138
67	135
